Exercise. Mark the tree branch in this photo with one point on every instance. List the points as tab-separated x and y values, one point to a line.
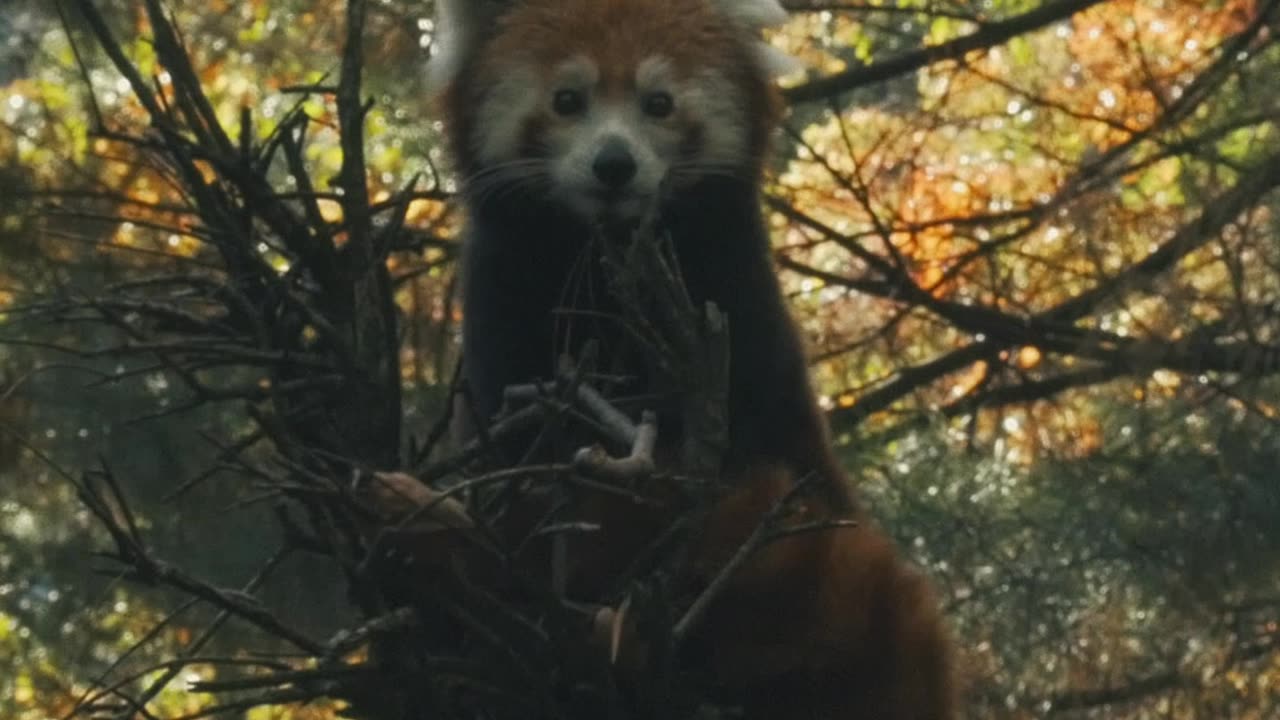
987	36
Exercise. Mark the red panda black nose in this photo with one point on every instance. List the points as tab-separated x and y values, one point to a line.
614	166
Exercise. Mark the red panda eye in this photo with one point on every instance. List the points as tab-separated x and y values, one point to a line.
657	104
568	102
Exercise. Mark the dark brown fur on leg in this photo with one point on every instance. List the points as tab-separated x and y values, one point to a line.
824	624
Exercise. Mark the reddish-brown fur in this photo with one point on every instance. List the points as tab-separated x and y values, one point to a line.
821	625
688	32
828	624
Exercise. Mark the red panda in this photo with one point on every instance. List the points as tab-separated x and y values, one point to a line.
563	115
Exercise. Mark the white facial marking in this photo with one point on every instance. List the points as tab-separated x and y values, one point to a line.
577	146
708	99
705	133
714	100
577	73
655	72
507	104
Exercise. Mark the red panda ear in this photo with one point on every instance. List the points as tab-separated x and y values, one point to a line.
775	62
753	14
459	27
756	15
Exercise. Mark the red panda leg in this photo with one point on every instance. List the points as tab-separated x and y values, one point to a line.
824	625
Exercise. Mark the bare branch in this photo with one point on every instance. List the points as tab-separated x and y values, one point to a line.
985	37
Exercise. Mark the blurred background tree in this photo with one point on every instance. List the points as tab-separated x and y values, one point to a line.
1034	246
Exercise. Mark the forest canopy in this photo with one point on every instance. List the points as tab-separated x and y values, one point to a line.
1033	245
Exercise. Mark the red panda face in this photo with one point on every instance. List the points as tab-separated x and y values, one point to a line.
596	105
601	140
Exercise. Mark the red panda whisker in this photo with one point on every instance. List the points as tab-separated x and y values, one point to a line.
693	172
523	188
705	164
511	166
503	179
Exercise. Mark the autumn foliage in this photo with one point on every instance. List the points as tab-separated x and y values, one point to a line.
1032	244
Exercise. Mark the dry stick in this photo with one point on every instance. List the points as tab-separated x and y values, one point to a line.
569	380
66	475
115	689
617	425
443	423
305	679
439	497
556	402
281	697
147	568
351	113
215	205
175	666
345	641
371	327
98	687
226	453
195	105
595	462
987	36
448	497
239	354
384	238
511	424
94	110
221	619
